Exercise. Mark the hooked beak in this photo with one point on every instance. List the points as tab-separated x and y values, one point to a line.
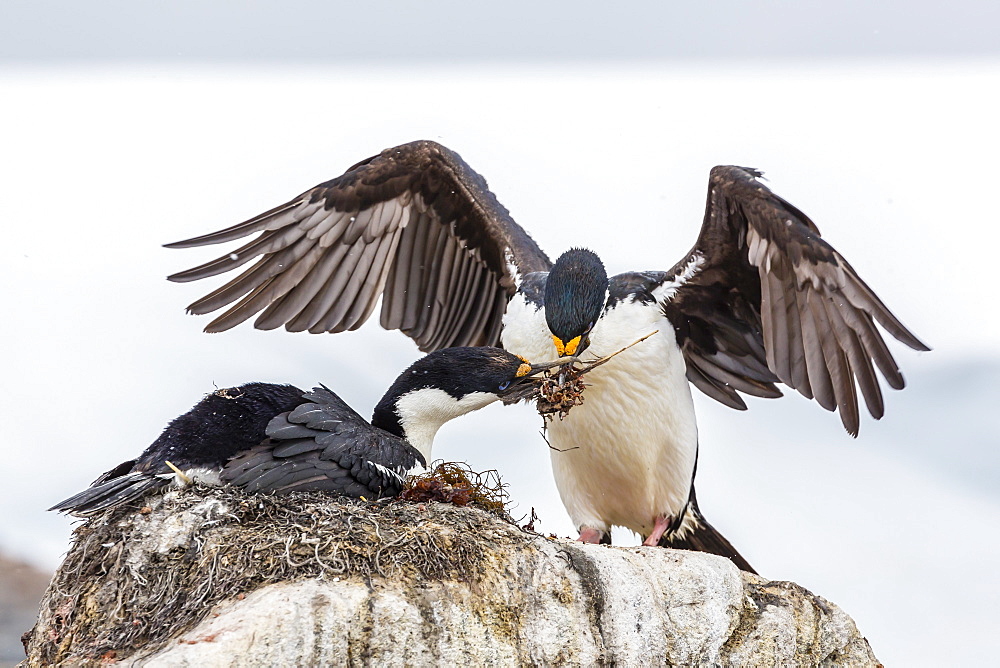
571	347
574	346
526	384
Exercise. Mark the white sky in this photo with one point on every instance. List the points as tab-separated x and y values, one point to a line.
297	31
893	162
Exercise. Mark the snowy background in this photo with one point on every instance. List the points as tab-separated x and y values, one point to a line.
123	130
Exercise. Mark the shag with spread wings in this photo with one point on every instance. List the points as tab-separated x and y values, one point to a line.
760	299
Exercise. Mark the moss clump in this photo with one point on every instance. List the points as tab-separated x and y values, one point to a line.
456	483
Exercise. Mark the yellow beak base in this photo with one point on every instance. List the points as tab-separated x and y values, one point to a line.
566	348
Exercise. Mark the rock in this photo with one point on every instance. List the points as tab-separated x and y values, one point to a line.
21	588
213	577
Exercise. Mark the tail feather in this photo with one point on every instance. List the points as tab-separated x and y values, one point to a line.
695	533
113	492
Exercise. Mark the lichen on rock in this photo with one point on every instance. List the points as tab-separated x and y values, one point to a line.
216	577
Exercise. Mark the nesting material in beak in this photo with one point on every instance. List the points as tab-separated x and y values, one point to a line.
560	391
528	383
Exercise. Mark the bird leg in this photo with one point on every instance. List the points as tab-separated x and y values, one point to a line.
590	535
659	528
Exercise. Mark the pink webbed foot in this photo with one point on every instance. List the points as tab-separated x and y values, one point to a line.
589	535
659	527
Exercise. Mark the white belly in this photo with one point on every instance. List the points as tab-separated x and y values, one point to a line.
628	453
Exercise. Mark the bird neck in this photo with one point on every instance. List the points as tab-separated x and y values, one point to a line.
421	436
417	415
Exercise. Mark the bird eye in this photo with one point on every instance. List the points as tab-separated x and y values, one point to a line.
504	385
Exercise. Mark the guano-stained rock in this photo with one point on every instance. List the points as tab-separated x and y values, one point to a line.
212	577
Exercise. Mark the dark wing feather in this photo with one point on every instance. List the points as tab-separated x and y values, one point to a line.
324	445
414	225
762	298
108	492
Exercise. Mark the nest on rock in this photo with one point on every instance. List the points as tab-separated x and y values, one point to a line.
135	578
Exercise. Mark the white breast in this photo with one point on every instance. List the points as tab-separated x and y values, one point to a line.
628	453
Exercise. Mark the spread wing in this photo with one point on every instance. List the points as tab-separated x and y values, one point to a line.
414	225
762	298
324	445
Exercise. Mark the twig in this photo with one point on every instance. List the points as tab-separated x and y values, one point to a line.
591	365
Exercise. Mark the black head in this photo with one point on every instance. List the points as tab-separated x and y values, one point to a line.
575	292
472	377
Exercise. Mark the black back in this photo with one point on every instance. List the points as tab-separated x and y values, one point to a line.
219	426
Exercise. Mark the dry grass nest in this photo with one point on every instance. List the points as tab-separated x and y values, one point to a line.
136	577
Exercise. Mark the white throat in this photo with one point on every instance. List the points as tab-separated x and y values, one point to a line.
422	412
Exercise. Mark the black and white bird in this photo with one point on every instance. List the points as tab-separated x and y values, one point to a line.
760	299
278	439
